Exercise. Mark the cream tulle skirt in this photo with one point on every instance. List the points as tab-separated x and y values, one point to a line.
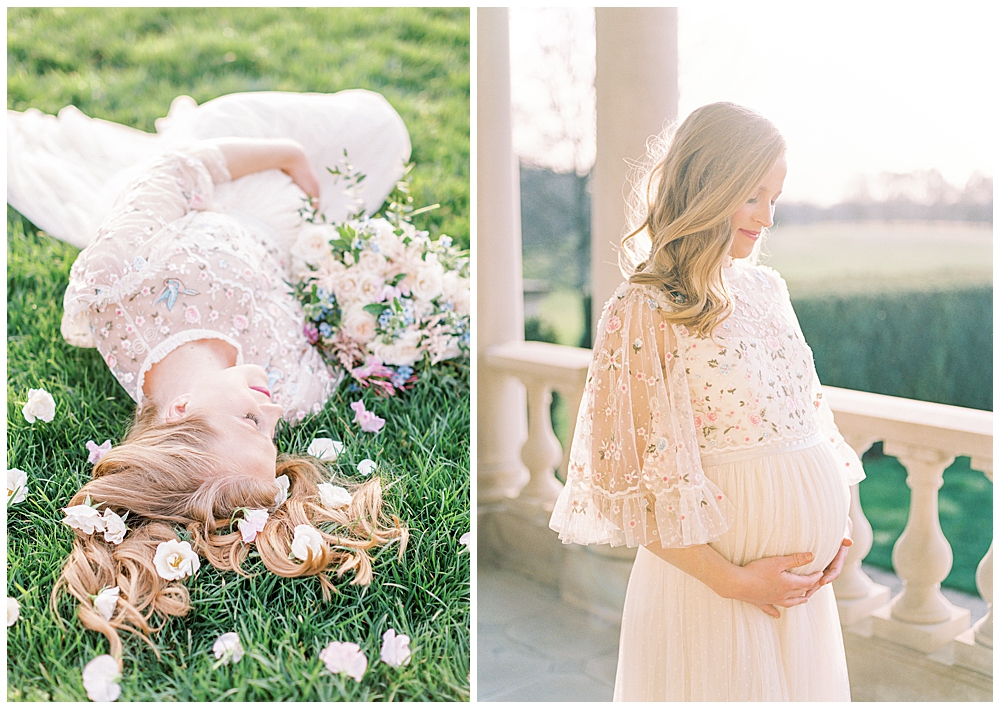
682	642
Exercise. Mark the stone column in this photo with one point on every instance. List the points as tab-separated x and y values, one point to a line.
636	97
500	403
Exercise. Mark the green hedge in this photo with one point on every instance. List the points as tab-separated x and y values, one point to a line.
933	346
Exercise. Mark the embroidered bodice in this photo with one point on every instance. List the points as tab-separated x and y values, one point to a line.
660	403
166	268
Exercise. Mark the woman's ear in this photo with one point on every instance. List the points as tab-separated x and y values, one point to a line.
176	409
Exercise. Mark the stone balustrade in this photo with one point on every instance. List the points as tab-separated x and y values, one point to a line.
925	437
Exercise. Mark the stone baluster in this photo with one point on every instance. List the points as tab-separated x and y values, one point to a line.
541	452
974	647
921	617
857	594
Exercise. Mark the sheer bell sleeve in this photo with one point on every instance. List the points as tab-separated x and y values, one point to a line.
635	474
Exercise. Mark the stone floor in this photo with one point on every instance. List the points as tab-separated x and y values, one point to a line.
533	647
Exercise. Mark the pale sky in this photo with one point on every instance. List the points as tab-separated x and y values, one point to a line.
854	89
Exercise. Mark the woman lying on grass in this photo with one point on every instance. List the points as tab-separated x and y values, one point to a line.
190	309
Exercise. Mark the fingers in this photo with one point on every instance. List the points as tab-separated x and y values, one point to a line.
769	609
800	559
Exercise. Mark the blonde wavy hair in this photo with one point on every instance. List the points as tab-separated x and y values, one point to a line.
164	478
684	195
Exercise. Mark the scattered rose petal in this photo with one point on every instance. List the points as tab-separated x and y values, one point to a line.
175	560
228	648
282	494
366	467
13	611
17	486
307	539
100	679
85	518
325	448
97	451
333	497
114	527
252	523
465	539
106	601
395	649
346	658
368	421
40	405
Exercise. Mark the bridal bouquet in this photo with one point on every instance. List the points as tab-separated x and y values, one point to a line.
381	296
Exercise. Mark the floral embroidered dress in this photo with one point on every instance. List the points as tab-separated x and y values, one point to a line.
166	269
683	440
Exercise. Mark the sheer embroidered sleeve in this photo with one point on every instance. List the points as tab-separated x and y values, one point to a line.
635	474
849	461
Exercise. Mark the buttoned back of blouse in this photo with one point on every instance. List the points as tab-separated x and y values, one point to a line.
660	403
167	268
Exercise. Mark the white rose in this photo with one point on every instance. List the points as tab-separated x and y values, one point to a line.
404	351
175	560
359	324
17	486
106	602
85	518
100	679
371	262
281	482
228	648
426	282
346	287
307	539
252	524
389	245
369	287
114	527
346	658
395	649
325	448
462	299
13	611
312	245
333	497
40	405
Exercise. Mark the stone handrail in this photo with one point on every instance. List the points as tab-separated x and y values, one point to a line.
925	437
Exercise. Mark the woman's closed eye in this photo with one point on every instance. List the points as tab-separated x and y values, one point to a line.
253	417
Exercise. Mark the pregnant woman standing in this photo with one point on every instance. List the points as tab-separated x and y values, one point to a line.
704	439
182	288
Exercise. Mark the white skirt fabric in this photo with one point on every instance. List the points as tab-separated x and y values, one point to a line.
680	641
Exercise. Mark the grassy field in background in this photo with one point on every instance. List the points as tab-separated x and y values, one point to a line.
828	261
126	65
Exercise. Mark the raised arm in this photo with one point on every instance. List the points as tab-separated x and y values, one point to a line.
248	155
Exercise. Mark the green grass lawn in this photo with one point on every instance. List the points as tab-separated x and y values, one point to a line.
126	65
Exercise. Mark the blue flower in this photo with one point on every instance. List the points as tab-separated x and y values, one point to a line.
325	330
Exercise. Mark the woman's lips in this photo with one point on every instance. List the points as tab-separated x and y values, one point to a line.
749	234
263	391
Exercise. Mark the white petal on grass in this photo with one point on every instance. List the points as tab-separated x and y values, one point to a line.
13	611
334	497
282	494
100	679
228	648
40	405
114	527
346	658
325	448
366	467
85	518
17	486
395	649
175	560
306	539
106	602
465	539
252	524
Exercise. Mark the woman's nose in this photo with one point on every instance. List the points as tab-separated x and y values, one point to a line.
765	215
272	413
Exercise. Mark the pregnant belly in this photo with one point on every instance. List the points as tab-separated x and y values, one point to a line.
785	504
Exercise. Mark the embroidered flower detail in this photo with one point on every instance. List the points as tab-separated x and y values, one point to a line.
40	405
614	324
395	649
192	314
240	322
